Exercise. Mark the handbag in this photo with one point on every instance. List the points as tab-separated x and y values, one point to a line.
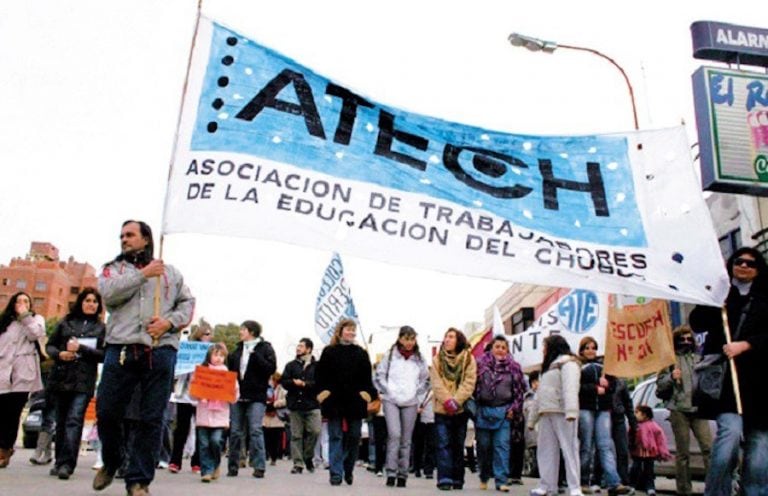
709	375
708	378
491	417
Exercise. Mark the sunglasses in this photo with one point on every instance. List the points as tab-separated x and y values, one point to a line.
686	339
752	264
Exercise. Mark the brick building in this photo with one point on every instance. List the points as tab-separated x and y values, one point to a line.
53	284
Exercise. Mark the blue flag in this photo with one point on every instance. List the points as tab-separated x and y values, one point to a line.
334	301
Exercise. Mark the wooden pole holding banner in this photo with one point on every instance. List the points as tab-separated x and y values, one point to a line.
731	361
158	283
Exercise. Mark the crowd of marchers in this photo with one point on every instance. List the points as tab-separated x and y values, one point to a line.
570	423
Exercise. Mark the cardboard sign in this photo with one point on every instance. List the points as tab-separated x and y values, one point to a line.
639	340
190	355
212	384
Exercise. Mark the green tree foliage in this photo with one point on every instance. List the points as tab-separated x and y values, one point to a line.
229	334
50	325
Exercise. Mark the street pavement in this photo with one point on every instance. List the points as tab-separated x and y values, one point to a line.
24	479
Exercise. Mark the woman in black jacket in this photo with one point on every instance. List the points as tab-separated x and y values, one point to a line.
747	309
345	382
77	346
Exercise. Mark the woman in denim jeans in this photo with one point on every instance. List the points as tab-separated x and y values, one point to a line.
595	401
453	375
77	346
747	309
499	393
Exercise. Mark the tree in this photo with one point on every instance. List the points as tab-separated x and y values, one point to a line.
228	334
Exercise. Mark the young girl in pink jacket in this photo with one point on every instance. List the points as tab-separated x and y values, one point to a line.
647	445
212	418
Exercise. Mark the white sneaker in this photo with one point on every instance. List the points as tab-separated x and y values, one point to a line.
538	492
162	465
595	489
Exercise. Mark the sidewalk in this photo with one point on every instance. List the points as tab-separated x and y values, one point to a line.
24	479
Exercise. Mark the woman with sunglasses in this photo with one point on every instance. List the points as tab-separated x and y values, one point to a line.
747	309
676	383
186	408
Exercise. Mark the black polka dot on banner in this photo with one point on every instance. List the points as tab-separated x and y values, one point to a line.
228	60
217	103
212	127
672	286
223	81
231	41
708	287
677	257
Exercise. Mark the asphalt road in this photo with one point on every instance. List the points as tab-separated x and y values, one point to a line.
24	479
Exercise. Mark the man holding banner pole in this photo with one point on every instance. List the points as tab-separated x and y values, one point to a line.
141	346
742	336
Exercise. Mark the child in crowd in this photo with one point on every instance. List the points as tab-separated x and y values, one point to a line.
648	445
212	419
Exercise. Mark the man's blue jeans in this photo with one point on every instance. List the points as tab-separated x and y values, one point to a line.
754	481
151	369
725	455
450	433
69	427
248	414
493	451
343	446
595	429
209	443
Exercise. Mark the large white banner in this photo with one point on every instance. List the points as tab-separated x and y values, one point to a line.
267	148
576	314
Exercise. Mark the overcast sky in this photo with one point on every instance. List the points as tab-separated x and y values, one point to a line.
90	99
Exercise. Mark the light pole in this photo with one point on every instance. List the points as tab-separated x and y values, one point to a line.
538	45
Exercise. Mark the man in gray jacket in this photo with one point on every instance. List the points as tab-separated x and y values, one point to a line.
140	351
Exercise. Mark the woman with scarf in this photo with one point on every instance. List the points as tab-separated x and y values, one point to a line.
499	393
345	383
454	372
400	378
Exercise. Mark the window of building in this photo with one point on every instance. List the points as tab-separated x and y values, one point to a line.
40	286
61	291
6	281
522	320
38	303
58	308
21	284
73	290
732	241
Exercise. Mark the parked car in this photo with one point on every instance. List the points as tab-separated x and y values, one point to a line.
645	394
33	421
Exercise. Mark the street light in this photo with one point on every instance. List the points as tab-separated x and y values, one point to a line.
539	45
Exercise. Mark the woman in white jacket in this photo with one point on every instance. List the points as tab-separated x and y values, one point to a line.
400	378
556	410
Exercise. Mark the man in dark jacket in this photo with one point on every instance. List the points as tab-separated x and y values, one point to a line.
254	361
747	310
299	382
